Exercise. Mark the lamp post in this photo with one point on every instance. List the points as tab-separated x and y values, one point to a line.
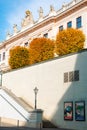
35	91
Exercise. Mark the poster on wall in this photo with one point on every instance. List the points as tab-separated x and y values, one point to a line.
68	110
80	111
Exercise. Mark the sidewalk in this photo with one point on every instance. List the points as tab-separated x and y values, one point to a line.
26	128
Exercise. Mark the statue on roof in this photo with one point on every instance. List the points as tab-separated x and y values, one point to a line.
28	19
8	35
74	1
27	13
64	4
51	8
41	13
15	28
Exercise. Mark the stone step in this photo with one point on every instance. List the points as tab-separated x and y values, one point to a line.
48	124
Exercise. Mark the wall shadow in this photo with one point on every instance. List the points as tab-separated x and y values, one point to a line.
76	91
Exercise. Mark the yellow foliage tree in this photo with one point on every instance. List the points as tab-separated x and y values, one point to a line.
19	57
68	41
41	49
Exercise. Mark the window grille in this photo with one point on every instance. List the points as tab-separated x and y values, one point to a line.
76	75
71	76
66	77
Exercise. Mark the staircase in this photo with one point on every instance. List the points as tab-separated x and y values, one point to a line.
14	111
48	124
27	107
19	100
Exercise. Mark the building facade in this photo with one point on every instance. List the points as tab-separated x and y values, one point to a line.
73	14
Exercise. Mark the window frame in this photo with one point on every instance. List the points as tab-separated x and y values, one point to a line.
0	57
76	75
61	28
26	44
3	58
45	35
79	22
69	24
66	77
71	76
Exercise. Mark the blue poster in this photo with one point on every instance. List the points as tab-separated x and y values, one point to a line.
80	111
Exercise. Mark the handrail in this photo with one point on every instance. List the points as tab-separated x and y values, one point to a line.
14	107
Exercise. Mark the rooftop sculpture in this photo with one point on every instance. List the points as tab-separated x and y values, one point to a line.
52	10
15	28
28	20
41	13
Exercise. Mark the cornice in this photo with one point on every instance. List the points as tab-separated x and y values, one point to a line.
29	30
71	10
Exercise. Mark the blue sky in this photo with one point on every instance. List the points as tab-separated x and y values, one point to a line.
13	11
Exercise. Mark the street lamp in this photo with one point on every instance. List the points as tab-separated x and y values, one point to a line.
35	91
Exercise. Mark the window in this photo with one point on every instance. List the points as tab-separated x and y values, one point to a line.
46	35
61	28
69	24
0	57
3	56
79	22
26	44
65	77
76	75
71	76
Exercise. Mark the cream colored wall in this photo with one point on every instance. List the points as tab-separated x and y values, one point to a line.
53	92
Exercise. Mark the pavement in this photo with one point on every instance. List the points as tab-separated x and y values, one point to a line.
26	128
